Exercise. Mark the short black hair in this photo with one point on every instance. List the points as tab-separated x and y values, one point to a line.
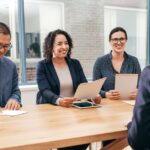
36	48
49	42
4	29
117	29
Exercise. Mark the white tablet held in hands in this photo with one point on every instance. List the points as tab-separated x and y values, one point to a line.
89	90
125	84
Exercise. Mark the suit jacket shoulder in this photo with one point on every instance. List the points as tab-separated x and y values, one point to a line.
48	81
9	77
139	128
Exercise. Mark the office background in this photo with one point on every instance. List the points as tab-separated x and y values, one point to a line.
88	21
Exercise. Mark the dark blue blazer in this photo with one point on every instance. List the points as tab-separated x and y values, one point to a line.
48	82
8	82
139	128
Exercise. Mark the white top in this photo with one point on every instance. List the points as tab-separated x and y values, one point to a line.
66	85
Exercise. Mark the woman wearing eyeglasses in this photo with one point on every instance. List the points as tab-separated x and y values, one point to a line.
117	61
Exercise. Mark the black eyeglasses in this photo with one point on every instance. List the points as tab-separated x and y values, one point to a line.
6	47
116	40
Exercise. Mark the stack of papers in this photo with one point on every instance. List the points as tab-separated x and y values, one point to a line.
12	112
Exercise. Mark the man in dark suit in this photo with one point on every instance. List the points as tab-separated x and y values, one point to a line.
9	92
139	128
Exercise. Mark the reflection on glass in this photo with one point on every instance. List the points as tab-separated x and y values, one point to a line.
34	50
41	17
33	45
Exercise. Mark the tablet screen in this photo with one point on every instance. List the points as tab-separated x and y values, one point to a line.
84	105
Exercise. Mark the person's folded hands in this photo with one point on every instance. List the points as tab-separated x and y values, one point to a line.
113	95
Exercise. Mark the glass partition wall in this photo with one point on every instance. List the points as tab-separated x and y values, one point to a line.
89	23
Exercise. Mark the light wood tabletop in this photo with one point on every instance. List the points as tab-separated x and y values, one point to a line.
47	126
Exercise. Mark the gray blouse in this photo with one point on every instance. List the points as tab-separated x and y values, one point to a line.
103	67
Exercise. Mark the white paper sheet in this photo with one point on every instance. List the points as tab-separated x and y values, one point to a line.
89	90
12	112
125	84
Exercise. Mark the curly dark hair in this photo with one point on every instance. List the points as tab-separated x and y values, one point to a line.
117	29
49	43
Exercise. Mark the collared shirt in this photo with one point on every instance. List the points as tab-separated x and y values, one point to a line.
103	67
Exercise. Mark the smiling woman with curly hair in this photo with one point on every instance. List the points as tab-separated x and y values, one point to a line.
58	75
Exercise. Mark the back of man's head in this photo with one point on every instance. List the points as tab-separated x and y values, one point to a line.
4	29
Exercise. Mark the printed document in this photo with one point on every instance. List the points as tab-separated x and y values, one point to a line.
125	84
12	112
89	90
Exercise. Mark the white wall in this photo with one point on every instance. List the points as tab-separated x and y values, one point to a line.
28	94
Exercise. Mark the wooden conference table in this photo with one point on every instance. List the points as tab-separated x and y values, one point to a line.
46	126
